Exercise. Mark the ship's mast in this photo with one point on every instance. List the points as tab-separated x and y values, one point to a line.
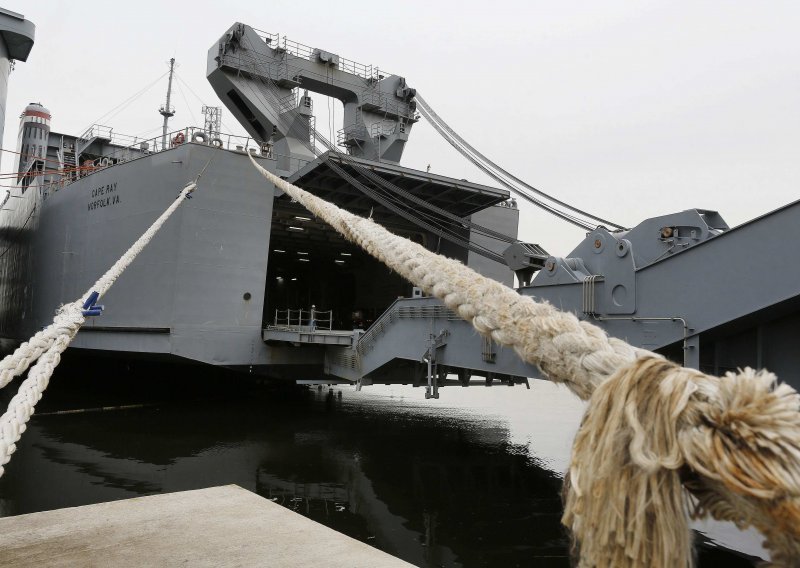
167	111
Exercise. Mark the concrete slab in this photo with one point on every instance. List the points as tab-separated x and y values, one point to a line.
220	527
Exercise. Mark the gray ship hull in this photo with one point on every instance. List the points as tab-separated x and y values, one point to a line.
184	296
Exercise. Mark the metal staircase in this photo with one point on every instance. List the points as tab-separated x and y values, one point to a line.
425	332
70	162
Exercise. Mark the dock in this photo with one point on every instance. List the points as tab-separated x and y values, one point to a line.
220	526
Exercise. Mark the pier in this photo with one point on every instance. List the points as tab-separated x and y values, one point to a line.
219	526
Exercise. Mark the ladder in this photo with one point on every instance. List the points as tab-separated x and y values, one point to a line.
70	162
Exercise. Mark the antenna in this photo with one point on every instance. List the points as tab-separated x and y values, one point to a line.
167	111
213	120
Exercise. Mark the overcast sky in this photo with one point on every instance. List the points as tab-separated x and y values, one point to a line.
626	109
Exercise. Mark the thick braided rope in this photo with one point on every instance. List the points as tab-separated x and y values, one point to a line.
651	427
46	346
69	315
21	407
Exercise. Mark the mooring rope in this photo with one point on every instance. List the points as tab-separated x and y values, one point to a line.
651	429
46	346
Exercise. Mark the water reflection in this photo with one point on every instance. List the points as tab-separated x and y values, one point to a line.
436	485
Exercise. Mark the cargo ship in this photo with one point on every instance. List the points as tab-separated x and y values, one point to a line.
244	278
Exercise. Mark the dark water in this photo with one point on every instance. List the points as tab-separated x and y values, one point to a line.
472	479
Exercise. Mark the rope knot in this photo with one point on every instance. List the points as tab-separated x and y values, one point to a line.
732	441
741	440
623	495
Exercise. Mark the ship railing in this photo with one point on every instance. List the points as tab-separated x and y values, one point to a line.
98	131
312	131
106	133
303	320
54	181
352	134
380	325
289	102
278	70
382	103
285	45
404	308
137	144
382	128
127	148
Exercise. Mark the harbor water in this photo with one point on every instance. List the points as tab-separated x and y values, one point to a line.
472	479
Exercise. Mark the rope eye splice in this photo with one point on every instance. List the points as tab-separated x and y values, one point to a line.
189	192
90	307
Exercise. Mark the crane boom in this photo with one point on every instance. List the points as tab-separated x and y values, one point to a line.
259	77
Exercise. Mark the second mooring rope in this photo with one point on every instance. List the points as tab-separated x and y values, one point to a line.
46	346
651	430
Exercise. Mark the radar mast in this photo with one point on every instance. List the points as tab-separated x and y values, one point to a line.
167	111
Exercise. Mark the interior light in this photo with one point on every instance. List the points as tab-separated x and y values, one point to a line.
339	261
299	218
278	250
293	279
292	228
301	252
345	254
303	260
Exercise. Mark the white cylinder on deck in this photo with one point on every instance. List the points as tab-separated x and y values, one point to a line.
34	132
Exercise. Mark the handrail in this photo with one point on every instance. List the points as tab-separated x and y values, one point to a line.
96	130
312	319
127	148
369	72
377	326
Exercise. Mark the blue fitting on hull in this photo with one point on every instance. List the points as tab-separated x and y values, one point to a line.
89	307
91	300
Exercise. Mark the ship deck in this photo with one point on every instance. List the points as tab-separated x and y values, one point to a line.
460	197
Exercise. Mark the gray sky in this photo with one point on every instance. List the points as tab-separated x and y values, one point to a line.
626	109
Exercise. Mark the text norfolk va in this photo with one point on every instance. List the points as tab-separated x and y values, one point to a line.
104	196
